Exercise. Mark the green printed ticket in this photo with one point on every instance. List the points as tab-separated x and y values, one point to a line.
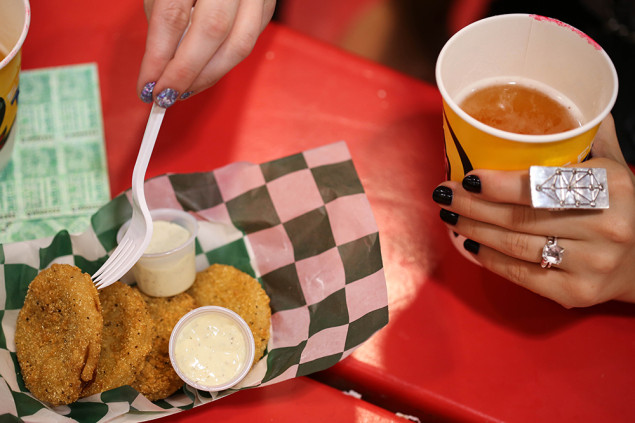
57	176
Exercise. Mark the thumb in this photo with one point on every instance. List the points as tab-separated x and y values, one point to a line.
606	144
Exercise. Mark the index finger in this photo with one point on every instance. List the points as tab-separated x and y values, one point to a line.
499	186
167	23
212	22
514	186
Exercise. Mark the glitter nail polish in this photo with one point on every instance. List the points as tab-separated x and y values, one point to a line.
167	97
186	94
146	92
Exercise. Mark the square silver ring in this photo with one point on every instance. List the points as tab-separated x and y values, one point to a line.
564	188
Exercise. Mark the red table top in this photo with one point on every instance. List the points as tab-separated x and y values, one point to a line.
462	343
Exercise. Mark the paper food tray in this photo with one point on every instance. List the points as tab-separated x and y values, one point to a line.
302	225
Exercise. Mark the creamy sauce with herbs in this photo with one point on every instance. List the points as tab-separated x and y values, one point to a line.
210	349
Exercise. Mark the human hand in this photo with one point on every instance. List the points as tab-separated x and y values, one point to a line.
492	209
222	33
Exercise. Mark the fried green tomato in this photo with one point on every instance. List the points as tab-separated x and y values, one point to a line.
58	334
157	378
225	286
126	338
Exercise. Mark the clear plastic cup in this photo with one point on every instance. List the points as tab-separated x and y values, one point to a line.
211	344
170	272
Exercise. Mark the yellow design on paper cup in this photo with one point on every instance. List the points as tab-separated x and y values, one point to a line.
14	23
468	147
9	92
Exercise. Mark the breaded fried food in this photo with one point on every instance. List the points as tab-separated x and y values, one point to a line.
157	379
58	334
225	286
126	338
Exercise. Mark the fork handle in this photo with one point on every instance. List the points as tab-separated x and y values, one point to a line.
147	144
139	171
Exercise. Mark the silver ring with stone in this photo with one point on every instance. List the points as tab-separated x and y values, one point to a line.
563	188
551	253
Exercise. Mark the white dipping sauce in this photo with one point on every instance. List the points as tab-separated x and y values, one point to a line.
164	275
166	236
210	349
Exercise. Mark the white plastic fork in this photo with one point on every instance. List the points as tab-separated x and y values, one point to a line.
137	237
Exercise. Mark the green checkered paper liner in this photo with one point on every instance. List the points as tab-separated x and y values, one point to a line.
302	225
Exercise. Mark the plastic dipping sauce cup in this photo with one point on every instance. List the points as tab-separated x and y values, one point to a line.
168	266
211	348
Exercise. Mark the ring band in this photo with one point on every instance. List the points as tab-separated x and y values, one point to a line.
551	253
560	188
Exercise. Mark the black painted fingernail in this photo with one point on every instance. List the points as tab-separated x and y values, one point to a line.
471	246
472	183
442	195
146	92
167	97
455	234
186	95
449	217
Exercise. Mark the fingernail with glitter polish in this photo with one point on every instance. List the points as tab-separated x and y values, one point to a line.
442	195
166	98
449	217
471	246
186	94
146	92
472	183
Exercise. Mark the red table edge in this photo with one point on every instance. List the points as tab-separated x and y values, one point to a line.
297	389
352	374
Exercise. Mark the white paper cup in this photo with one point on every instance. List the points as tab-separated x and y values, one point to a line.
522	47
15	18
